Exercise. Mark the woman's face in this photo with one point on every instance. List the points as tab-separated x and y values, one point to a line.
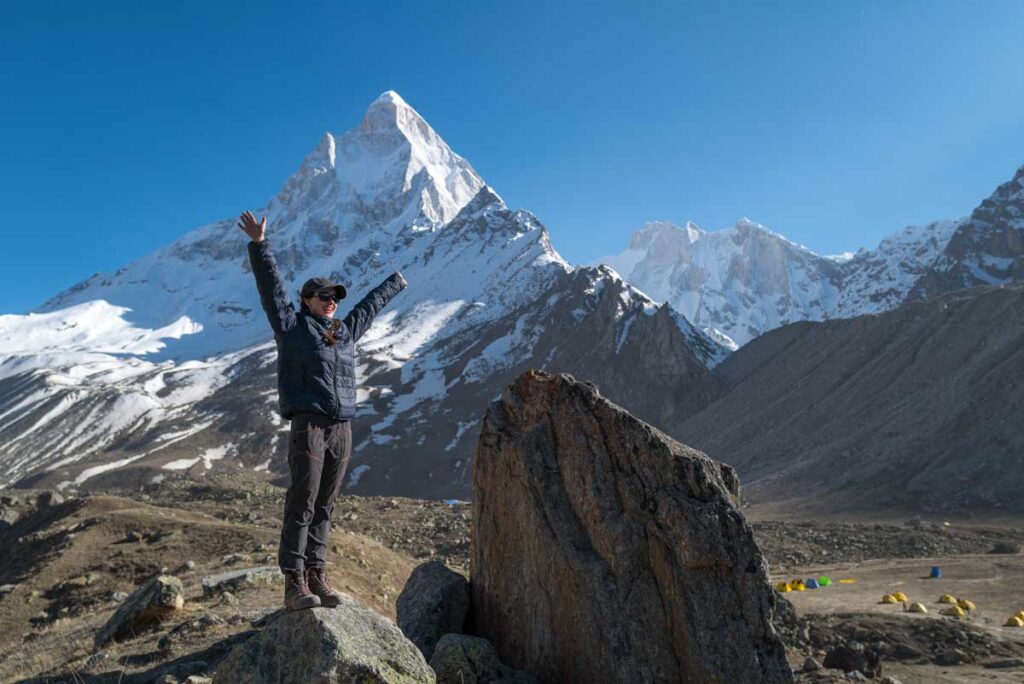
319	307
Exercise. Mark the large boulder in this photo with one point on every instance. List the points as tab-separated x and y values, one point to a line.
433	603
145	607
605	551
349	643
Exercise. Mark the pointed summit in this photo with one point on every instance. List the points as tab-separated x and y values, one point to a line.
393	171
390	119
395	153
390	97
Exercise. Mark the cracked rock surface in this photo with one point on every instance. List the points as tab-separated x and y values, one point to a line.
604	550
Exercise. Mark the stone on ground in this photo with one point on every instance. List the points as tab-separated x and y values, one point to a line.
214	585
603	550
145	607
433	603
349	643
464	659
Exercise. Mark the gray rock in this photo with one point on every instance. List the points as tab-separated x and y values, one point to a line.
182	671
464	659
49	498
605	551
811	665
433	603
144	608
7	589
236	558
844	658
214	585
953	656
328	646
96	659
1006	663
191	629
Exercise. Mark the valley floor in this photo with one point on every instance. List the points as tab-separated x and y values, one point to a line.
66	566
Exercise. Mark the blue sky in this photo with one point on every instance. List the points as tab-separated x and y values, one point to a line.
125	125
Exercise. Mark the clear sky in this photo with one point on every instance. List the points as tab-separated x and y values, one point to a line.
124	125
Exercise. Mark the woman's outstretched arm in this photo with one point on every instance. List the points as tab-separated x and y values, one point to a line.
279	309
362	314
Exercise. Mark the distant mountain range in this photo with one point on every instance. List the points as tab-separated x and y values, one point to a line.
747	280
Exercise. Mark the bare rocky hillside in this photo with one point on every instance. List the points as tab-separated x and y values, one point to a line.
918	409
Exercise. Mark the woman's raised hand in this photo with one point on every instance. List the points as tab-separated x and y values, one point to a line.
255	230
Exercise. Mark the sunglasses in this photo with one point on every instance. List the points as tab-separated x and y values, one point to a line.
327	297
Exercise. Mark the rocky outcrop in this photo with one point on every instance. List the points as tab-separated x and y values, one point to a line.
433	603
986	249
603	550
144	608
349	643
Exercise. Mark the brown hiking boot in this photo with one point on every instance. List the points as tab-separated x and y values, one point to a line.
318	584
297	595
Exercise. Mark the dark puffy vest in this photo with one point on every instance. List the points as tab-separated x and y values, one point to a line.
313	375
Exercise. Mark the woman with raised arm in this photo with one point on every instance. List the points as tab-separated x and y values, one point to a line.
317	392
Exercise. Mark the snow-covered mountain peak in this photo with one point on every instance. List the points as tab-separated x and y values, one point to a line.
391	181
395	153
664	231
392	171
389	97
747	279
390	115
747	231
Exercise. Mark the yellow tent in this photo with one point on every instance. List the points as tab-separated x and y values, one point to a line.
916	608
947	598
966	605
889	598
900	596
1014	621
955	611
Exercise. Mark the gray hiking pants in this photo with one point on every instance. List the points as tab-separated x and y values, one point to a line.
318	452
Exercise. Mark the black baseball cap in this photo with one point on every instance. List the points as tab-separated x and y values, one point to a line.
314	285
